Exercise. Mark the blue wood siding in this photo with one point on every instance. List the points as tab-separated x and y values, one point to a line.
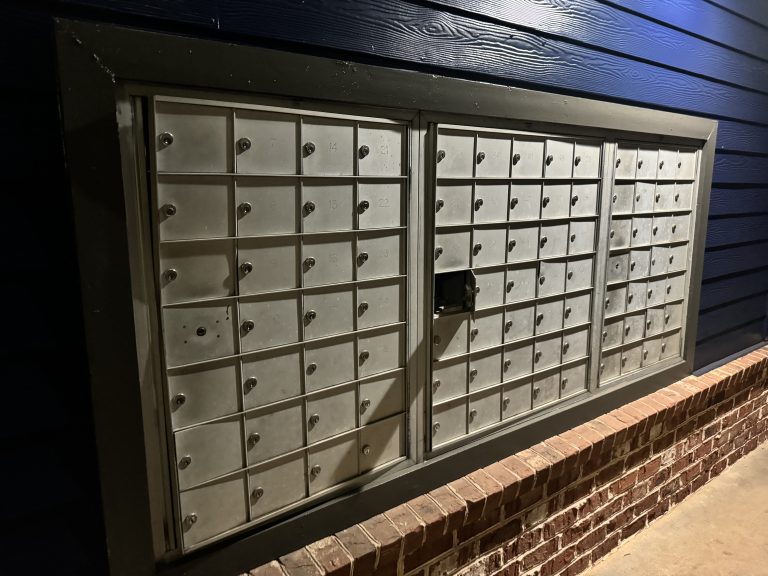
701	57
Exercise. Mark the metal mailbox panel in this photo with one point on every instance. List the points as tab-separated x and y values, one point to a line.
641	230
209	450
656	291
524	201
191	138
269	321
198	332
486	329
554	240
196	270
380	149
518	322
631	358
489	288
546	388
449	421
620	233
381	302
686	164
484	409
636	295
203	393
266	142
613	329
489	246
449	379
523	243
615	300
559	159
622	199
664	200
582	236
549	316
329	362
683	195
328	311
577	310
675	287
266	206
556	200
194	207
551	277
659	260
327	259
484	369
645	193
381	397
277	484
450	335
452	250
584	199
456	154
213	509
670	345
381	443
271	377
639	263
332	463
647	159
617	267
673	315
327	146
610	365
453	204
573	379
493	156
586	160
491	202
380	351
256	256
579	274
521	282
667	163
634	326
626	161
379	254
328	205
679	227
380	204
527	157
274	431
651	351
575	344
654	321
331	412
676	257
516	397
661	229
547	352
518	360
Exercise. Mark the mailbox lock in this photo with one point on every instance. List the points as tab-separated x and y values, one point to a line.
438	252
248	325
542	279
364	355
573	237
564	383
171	274
634	232
245	208
515	159
615	198
510	285
201	331
309	262
309	207
363	206
179	399
310	315
607	302
612	234
254	438
574	200
645	353
169	210
244	144
549	159
658	197
477	248
577	160
364	151
565	347
663	346
475	332
508	326
440	155
190	519
666	318
545	201
605	335
669	289
632	265
439	204
637	198
363	307
365	404
570	274
480	157
250	383
618	161
315	470
185	461
648	324
671	258
537	355
477	289
629	297
567	311
435	427
314	419
311	367
366	450
478	204
472	414
309	148
602	367
639	163
257	493
437	339
473	373
536	391
246	267
661	164
505	403
543	241
511	246
166	138
650	292
623	360
507	364
674	228
362	257
626	330
677	197
513	202
539	318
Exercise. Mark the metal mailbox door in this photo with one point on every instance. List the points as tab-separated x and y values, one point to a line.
523	243
661	229
620	233
455	155
381	443
327	147
551	277
209	450
656	291
521	283
380	204
664	200
575	344
554	240
194	207
518	322
452	250
381	397
329	362
524	201
196	270
634	326
489	288
453	204
617	267
489	246
379	254
484	369
673	315
626	161
686	164
486	329
613	329
516	397
615	300
547	352
215	508
271	377
327	259
559	159
610	365
331	412
670	345
549	316
328	311
256	256
266	206
577	309
380	351
203	393
667	164
646	163
582	236
679	228
493	156
491	203
583	199
641	230
546	388
556	200
621	201
328	205
332	462
676	257
675	287
586	160
449	379
639	263
645	193
484	409
579	274
265	142
381	302
636	295
449	421
518	360
193	333
683	195
271	320
573	380
654	321
651	351
631	358
380	149
659	260
450	335
275	430
277	484
527	157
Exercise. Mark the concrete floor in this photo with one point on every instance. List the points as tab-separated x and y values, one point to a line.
721	530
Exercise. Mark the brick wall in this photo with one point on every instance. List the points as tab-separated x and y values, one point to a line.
563	504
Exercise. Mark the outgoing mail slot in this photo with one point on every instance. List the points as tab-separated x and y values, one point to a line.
620	232
655	291
489	288
577	310
195	270
379	204
449	379
449	421
452	250
484	409
328	205
269	321
329	362
621	201
575	344
549	316
651	351
679	227
559	159
327	259
271	376
617	267
455	154
381	397
586	160
450	335
453	204
332	462
556	200
279	256
380	149
639	263
637	293
641	230
613	329
654	321
518	360
527	157
686	164
675	287
328	311
493	156
546	388
202	393
660	231
583	199
489	246
634	326
380	302
192	138
209	450
216	508
659	259
331	412
547	351
265	143
275	430
266	206
667	164
647	158
551	277
198	332
645	196
523	243
521	283
573	379
626	162
194	207
524	201
380	350
581	236
670	345
677	257
484	369
277	484
631	357
610	365
518	322
664	200
553	240
327	146
516	397
579	273
379	254
486	329
615	300
381	443
491	202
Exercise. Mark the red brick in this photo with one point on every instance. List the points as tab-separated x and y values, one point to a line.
704	449
427	552
430	514
469	531
620	520
658	510
539	555
271	569
611	472
558	523
579	491
638	456
509	481
500	536
633	528
561	560
384	533
594	502
522	470
360	547
604	547
565	479
607	511
591	540
664	442
577	567
624	483
472	495
409	525
300	563
576	532
635	494
331	557
492	489
454	508
646	503
553	457
568	450
539	464
648	469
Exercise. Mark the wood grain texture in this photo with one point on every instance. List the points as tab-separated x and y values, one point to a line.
740	169
704	20
754	10
737	230
729	316
727	261
735	200
197	12
607	28
713	349
741	137
724	290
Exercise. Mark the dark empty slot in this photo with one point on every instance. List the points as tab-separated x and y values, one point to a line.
454	292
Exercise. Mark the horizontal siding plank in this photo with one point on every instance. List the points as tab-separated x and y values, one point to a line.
740	137
726	201
727	317
704	20
723	290
606	27
734	260
197	12
723	345
755	10
740	169
421	35
737	230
